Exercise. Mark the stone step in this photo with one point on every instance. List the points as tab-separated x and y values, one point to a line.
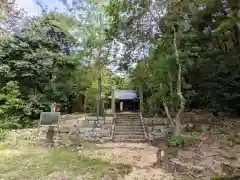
129	136
123	132
128	128
128	124
127	120
136	113
129	133
129	140
127	116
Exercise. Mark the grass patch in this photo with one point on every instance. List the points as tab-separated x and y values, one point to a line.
3	146
49	164
225	178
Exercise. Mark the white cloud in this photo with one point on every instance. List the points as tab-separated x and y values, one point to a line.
29	6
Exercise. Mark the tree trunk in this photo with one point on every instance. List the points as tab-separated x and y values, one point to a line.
85	101
171	92
99	98
101	106
179	87
178	127
169	116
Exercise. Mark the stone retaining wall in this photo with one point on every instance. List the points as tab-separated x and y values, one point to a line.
88	129
156	127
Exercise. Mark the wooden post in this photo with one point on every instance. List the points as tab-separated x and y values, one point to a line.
113	100
50	130
121	105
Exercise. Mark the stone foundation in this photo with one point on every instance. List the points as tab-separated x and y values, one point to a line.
89	129
159	127
156	127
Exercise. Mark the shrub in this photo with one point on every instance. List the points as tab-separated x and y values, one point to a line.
3	134
12	108
180	141
176	141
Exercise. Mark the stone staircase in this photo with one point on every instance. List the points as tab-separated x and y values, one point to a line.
128	128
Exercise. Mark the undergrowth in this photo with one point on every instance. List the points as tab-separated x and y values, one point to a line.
3	133
180	141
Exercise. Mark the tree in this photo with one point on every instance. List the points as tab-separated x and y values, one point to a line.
165	87
185	47
12	107
38	58
90	25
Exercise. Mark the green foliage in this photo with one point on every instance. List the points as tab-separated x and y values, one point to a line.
12	106
176	141
39	59
208	39
3	133
180	141
225	178
10	98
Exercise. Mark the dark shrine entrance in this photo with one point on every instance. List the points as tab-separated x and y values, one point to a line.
125	100
132	105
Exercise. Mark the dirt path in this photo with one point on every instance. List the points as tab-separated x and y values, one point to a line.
216	153
139	155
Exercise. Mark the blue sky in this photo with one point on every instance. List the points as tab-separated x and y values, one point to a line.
32	9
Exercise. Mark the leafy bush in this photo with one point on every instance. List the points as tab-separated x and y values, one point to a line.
3	134
176	141
13	109
180	141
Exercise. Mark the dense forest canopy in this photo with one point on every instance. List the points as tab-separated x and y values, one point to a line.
185	56
191	52
207	40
